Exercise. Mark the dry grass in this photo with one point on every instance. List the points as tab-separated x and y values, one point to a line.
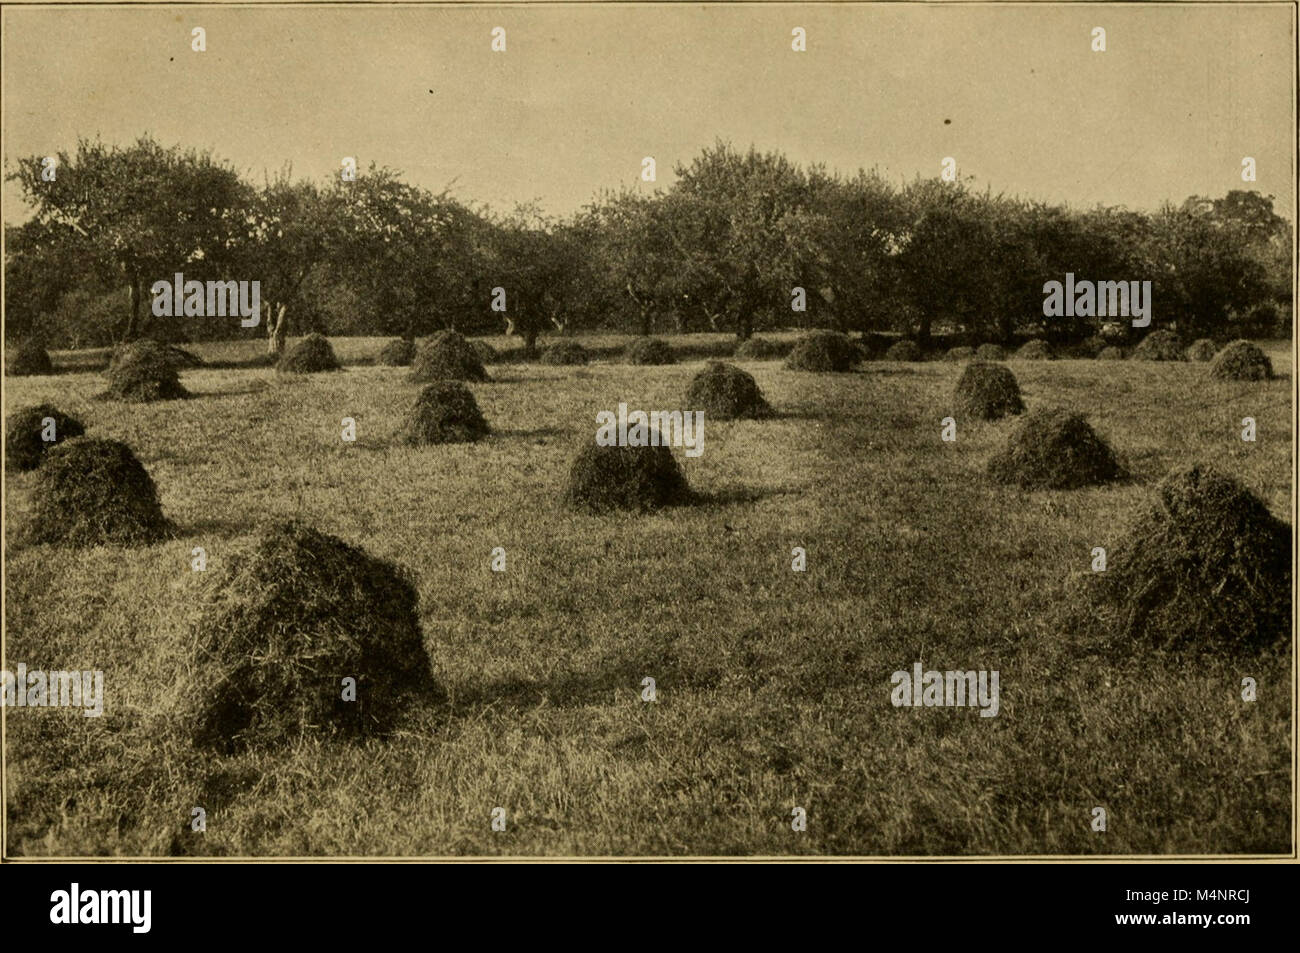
1241	361
1207	568
293	616
26	432
397	353
773	685
312	355
447	356
824	352
144	371
645	351
93	492
987	391
726	392
445	412
1054	449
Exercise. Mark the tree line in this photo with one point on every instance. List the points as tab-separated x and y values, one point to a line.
724	248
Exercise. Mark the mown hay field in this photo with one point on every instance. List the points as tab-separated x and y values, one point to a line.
773	686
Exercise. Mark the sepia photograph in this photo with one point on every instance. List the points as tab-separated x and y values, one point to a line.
648	431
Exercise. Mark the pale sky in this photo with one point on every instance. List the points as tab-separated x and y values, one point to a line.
582	93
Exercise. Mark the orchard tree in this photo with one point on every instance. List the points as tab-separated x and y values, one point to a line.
863	224
945	257
289	228
541	266
144	211
748	221
1265	234
43	262
635	249
1204	267
411	253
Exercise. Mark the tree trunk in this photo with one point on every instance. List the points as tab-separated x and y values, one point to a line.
745	322
923	333
530	342
644	307
277	331
133	320
1004	325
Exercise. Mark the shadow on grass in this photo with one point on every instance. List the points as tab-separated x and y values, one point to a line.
27	534
883	368
616	680
111	398
499	378
62	370
683	348
228	365
736	494
802	412
535	434
254	387
217	527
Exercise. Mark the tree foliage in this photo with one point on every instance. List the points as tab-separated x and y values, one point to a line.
741	240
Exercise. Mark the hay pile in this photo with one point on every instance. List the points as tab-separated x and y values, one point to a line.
91	492
724	391
144	371
1035	349
27	358
959	354
1202	349
602	479
1208	567
872	345
1159	346
824	351
487	354
447	356
903	350
180	357
397	353
292	616
564	353
1054	449
26	430
759	349
1241	361
987	391
1092	346
1111	353
991	352
313	354
445	412
649	351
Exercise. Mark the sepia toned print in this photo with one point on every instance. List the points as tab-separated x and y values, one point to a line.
359	365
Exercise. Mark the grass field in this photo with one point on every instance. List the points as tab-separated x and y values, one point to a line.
773	686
